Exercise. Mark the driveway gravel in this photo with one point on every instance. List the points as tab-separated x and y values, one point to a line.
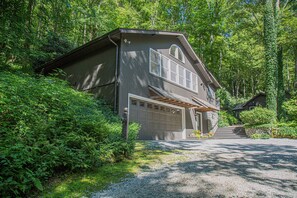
216	168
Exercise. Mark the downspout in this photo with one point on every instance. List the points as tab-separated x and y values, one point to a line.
116	75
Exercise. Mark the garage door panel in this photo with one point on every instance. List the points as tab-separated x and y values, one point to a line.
155	119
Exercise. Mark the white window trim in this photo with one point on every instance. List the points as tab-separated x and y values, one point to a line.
150	54
177	72
174	56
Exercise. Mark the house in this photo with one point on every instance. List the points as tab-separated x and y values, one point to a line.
155	74
258	100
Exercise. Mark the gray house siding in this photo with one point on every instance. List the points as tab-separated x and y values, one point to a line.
135	76
134	68
94	73
92	68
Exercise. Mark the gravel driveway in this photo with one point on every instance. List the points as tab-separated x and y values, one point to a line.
217	168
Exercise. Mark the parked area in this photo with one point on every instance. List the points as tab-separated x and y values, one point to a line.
216	168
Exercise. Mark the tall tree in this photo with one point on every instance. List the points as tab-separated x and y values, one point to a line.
270	42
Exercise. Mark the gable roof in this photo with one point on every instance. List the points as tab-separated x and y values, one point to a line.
241	106
253	98
104	40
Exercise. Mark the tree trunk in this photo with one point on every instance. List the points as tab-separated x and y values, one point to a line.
280	85
270	55
253	85
30	9
244	88
295	79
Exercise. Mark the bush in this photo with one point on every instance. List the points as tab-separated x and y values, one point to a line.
258	116
226	119
197	133
227	101
260	136
47	127
285	132
290	107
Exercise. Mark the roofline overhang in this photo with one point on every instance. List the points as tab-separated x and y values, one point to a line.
67	57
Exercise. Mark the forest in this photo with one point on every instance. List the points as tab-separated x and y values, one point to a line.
226	34
48	128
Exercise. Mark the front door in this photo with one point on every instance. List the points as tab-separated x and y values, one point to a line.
198	119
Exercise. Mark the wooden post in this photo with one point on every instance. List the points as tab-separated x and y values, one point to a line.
125	124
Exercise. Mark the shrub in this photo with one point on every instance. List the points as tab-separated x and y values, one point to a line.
285	132
258	116
47	127
260	136
226	119
290	107
197	133
227	101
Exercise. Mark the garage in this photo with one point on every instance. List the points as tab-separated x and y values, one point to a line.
159	121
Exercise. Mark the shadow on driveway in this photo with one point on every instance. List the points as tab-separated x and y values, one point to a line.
218	169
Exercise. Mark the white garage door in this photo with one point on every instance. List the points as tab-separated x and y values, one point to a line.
156	120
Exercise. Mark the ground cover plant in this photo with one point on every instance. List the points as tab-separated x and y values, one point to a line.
84	183
47	127
287	128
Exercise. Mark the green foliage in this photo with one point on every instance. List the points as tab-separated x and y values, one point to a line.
285	132
53	47
270	41
226	119
231	47
258	116
280	84
227	101
48	127
290	108
82	184
260	136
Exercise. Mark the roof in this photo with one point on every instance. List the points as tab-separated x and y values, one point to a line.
241	106
175	99
238	107
99	42
205	104
253	98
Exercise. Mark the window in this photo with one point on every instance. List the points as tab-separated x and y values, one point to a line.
173	71
163	67
177	53
150	106
188	79
155	62
195	82
141	103
181	75
210	92
134	102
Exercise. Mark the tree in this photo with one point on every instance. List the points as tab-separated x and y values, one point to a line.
270	43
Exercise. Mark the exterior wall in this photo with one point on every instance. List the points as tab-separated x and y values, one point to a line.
135	75
211	120
94	73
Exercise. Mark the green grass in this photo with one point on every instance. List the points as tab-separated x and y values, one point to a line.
84	183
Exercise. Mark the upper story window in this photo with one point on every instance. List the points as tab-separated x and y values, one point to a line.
210	92
177	53
165	68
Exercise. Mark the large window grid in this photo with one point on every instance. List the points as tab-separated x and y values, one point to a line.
163	67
